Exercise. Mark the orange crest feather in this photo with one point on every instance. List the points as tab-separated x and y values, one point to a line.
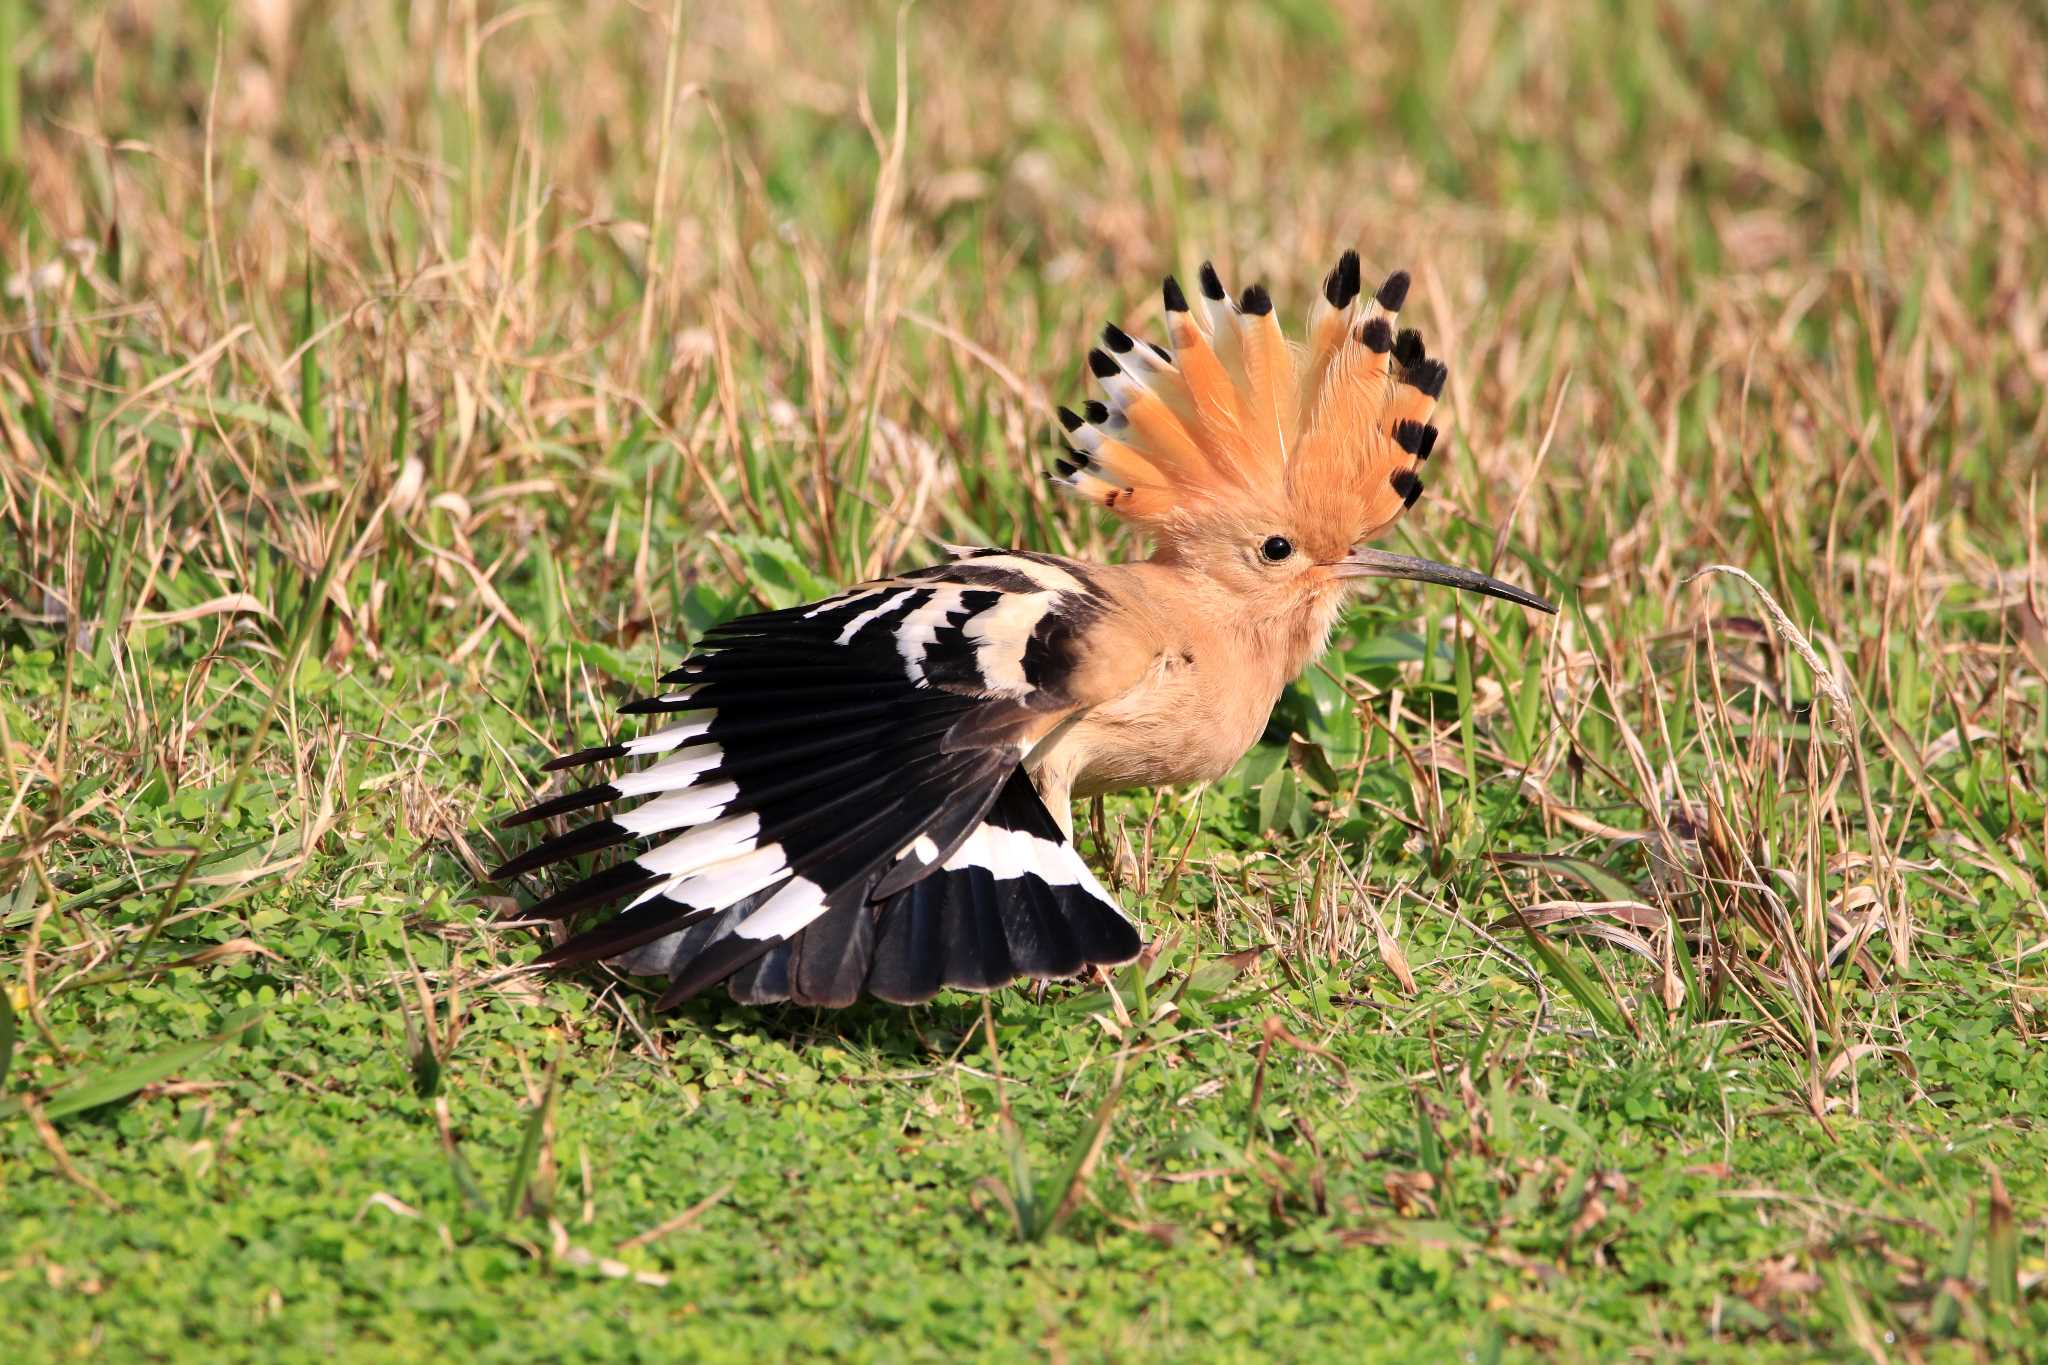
1235	413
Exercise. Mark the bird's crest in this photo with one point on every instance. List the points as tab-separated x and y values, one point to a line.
1234	413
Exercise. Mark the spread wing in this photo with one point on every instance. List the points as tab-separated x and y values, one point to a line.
835	800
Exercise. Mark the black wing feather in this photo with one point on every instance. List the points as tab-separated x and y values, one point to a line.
841	789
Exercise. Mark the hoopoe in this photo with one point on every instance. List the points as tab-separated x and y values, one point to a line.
874	792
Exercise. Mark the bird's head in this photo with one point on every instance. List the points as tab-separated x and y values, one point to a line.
1268	466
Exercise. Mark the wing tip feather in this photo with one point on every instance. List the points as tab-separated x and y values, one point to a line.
583	757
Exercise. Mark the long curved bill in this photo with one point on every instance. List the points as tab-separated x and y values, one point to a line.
1363	562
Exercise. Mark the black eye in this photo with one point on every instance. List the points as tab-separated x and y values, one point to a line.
1276	549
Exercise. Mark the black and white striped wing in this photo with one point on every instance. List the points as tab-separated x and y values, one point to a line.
837	802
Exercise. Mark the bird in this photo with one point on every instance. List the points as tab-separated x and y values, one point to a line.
872	794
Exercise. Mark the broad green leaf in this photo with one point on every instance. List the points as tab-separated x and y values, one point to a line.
124	1081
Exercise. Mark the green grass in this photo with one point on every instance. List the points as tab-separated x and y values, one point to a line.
384	397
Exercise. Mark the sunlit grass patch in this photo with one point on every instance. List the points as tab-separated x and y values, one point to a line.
386	393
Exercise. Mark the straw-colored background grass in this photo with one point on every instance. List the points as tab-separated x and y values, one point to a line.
386	391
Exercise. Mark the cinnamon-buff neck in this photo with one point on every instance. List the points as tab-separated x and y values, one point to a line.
873	793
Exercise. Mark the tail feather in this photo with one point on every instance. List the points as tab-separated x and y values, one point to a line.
1035	926
718	957
1014	900
829	965
976	952
910	947
765	980
1011	899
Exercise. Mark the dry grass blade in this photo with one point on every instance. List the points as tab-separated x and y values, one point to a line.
1842	712
687	1218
